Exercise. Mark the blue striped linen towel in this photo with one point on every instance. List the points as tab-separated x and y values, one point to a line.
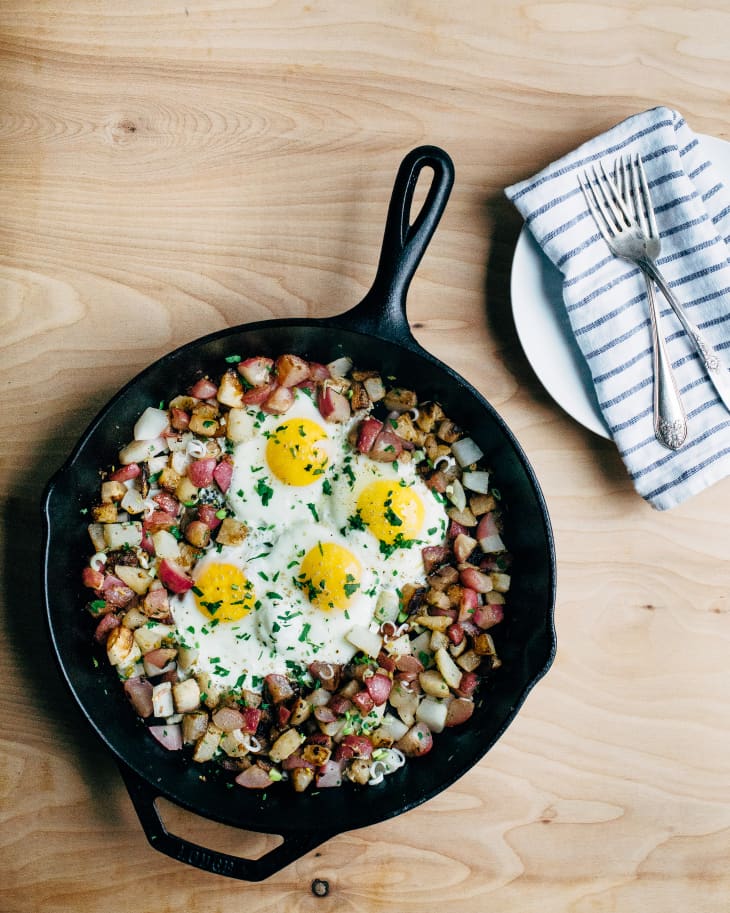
606	303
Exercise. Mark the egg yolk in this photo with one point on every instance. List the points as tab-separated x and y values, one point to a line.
331	575
223	592
391	510
295	452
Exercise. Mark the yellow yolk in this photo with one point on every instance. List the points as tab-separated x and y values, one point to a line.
391	510
295	453
223	592
330	574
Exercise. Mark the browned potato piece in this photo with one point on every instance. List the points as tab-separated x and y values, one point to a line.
231	532
359	398
301	777
204	421
112	491
448	431
469	661
105	513
358	771
429	415
400	400
286	744
316	754
169	479
194	726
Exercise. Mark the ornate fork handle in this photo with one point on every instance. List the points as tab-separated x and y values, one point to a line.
713	365
670	421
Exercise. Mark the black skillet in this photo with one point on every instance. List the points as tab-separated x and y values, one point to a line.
375	333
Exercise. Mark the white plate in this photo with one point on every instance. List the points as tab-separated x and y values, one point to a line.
542	321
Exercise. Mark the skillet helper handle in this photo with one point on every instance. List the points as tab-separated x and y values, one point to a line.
382	312
143	798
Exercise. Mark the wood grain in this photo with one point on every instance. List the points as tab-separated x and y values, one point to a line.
172	168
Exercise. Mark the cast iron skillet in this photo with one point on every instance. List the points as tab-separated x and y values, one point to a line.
375	333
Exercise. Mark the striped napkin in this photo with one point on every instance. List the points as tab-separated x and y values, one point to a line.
606	297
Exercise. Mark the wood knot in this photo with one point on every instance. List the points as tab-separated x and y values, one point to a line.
127	125
320	887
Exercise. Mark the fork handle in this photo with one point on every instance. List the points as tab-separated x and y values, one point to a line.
670	421
716	371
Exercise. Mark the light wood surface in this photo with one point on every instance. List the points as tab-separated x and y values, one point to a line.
171	168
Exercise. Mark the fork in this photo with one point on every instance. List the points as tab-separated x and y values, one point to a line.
642	245
670	422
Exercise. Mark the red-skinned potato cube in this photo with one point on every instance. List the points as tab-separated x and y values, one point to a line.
256	371
204	389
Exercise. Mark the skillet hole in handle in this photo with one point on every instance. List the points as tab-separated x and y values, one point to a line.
144	797
382	312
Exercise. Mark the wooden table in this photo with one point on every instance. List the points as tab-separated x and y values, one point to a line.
169	169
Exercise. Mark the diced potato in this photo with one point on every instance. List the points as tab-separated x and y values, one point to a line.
484	645
235	743
400	400
230	390
210	691
301	711
450	672
162	704
166	545
136	578
374	387
468	661
208	744
439	641
112	491
500	582
133	618
432	712
359	771
301	777
433	683
186	492
405	702
151	635
188	656
204	421
286	744
316	754
186	695
105	513
185	403
370	642
123	535
398	647
139	451
435	622
133	502
121	647
240	426
231	532
96	534
169	479
194	725
387	606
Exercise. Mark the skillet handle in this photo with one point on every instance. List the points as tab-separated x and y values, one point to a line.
143	798
382	312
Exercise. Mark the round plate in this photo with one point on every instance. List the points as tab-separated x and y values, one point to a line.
542	321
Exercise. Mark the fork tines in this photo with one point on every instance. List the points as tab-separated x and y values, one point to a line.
609	197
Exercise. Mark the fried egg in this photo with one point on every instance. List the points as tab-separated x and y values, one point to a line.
280	471
389	511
